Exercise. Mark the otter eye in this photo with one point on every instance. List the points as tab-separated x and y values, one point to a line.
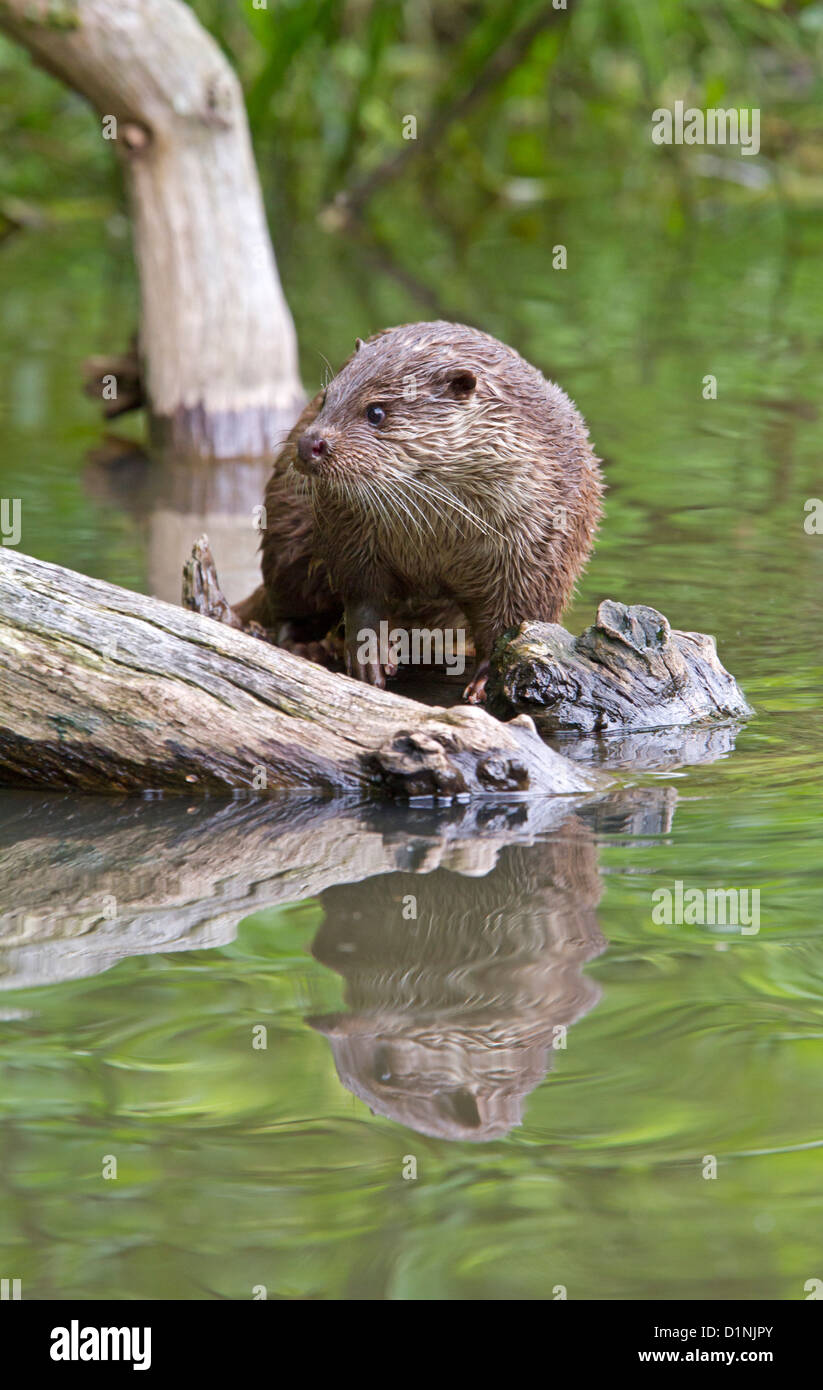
375	414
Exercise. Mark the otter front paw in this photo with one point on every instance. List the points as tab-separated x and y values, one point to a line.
362	646
475	692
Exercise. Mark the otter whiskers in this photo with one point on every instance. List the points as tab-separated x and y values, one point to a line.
415	490
443	494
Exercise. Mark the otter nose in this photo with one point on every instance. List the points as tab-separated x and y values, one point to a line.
311	448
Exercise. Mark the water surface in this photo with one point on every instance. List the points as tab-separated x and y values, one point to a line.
559	1066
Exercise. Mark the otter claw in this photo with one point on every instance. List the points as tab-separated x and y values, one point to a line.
370	672
475	692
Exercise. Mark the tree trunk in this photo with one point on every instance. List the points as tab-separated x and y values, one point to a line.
105	690
217	340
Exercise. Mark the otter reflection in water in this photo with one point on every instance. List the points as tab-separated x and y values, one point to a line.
455	1012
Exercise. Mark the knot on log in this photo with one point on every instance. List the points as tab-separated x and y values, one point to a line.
640	628
136	137
501	773
413	763
416	763
221	100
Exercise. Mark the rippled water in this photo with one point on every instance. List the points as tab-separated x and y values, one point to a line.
478	994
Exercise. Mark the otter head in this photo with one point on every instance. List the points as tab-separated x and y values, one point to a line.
403	401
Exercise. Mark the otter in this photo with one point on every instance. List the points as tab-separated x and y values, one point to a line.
437	465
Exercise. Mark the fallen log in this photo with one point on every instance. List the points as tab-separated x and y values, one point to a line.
102	689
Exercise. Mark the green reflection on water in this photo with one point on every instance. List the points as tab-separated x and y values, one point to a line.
239	1166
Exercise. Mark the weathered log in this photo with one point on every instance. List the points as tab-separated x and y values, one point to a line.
629	670
216	336
106	690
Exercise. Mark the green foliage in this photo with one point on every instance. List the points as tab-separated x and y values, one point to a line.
328	84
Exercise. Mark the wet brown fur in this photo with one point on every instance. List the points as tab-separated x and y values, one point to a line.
366	532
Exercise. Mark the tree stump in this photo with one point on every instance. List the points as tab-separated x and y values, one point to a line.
628	671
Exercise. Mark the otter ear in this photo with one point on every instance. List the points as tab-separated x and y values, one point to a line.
461	382
358	343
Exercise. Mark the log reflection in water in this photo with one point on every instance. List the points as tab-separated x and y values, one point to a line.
452	1013
87	881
